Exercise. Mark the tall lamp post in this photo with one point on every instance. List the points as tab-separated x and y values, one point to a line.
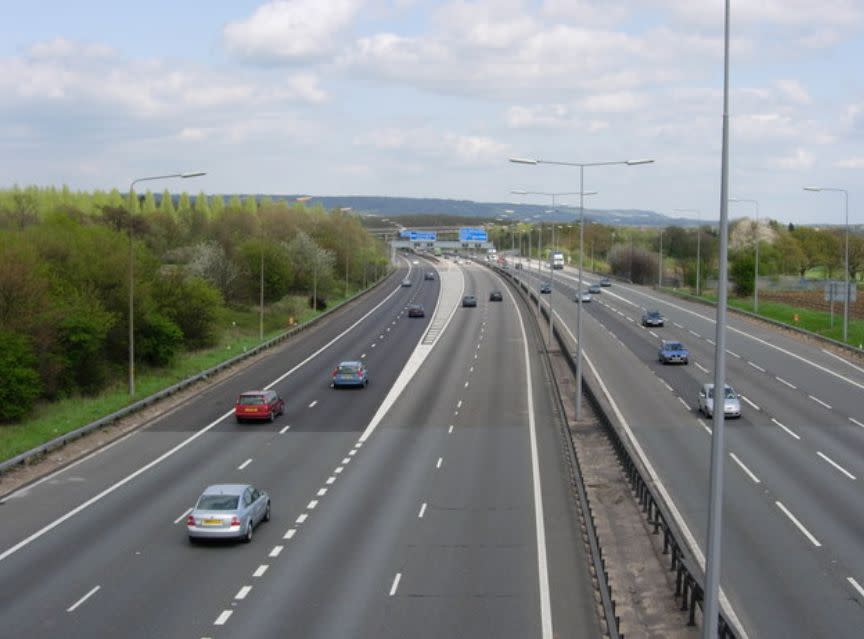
132	266
581	192
698	243
346	209
756	267
660	262
846	259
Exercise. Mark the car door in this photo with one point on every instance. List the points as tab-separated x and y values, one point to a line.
257	504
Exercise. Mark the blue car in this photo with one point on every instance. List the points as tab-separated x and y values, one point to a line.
350	374
672	352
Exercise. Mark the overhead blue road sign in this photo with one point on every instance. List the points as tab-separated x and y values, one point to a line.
424	236
473	235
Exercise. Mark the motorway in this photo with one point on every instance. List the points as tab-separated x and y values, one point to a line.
432	503
793	535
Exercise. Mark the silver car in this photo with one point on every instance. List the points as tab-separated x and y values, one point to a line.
731	404
228	511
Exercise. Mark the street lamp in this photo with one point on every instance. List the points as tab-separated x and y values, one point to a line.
132	267
698	242
846	259
756	269
660	262
346	209
581	192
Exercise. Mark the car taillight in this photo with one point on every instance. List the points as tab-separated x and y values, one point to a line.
235	520
190	520
334	373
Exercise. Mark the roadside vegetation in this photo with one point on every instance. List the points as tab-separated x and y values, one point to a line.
64	287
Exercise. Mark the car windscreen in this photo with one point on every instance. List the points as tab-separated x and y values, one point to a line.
218	502
730	394
250	400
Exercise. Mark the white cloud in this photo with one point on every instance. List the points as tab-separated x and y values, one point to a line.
799	160
794	91
432	145
290	30
850	163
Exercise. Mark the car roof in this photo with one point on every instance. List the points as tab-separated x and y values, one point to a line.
226	489
351	362
671	342
252	393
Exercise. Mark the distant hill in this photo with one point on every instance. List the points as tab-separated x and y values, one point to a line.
440	210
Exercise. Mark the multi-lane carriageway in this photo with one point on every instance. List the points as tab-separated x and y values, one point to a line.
434	503
793	528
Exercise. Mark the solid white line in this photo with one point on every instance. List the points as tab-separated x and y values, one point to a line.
784	428
83	599
289	533
745	469
847	362
686	405
735	355
260	570
276	551
440	461
244	464
223	617
183	516
395	585
284	430
855	421
800	526
312	405
312	504
241	594
330	479
856	585
422	511
700	367
754	406
819	401
321	492
783	381
301	518
539	523
835	464
756	366
655	479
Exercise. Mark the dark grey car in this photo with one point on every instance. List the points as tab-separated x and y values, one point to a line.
228	511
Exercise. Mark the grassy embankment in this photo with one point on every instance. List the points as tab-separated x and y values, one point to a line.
52	419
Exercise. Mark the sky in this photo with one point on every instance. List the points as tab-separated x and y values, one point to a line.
430	99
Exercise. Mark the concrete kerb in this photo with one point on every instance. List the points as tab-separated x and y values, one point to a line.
62	440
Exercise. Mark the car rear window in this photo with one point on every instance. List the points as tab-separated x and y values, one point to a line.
674	346
348	369
218	502
248	400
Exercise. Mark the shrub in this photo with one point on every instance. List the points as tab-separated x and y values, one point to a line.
19	387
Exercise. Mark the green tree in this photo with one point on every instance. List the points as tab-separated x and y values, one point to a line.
250	206
149	205
166	204
742	270
278	269
234	203
193	304
202	205
20	387
83	334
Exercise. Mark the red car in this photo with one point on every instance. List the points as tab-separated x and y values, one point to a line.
258	405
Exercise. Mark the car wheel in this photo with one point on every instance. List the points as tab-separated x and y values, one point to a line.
271	417
267	513
239	421
365	383
247	536
193	541
686	361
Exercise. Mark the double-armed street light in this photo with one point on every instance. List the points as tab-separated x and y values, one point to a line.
582	194
132	265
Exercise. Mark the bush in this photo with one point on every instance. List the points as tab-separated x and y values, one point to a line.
83	333
20	386
742	271
193	304
158	340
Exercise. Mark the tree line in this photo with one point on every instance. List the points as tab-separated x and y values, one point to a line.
64	278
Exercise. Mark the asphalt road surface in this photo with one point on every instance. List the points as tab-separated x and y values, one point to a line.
793	527
432	503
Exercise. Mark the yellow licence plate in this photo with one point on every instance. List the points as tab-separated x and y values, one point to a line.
212	522
251	410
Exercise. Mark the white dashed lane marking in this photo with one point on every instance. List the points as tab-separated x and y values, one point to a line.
786	429
783	381
223	617
756	366
422	511
83	599
835	464
244	464
284	430
313	404
241	594
395	585
819	401
745	469
799	525
754	406
260	570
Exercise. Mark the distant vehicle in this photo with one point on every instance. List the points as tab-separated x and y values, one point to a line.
406	282
258	405
672	352
436	251
416	310
496	296
350	374
731	403
469	300
605	282
585	295
415	262
429	275
557	261
652	318
546	288
518	266
228	511
594	289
